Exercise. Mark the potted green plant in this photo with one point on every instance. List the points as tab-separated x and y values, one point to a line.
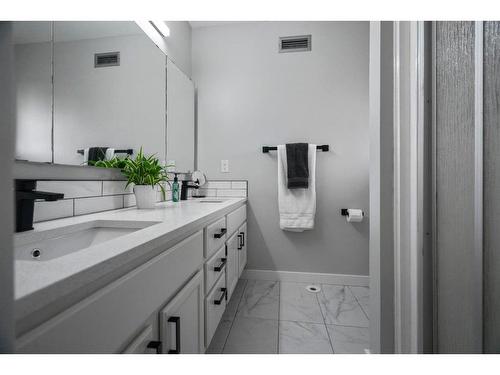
145	173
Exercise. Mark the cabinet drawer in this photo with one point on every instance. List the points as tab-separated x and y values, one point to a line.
139	345
214	268
235	219
215	236
215	304
106	320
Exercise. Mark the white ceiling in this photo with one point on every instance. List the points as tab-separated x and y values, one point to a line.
197	24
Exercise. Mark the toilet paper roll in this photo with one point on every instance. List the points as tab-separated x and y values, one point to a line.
354	215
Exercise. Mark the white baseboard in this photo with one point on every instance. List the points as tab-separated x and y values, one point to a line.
307	277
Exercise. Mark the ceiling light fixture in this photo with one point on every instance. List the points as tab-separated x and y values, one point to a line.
161	27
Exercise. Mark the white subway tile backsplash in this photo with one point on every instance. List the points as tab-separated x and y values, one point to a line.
86	197
116	187
88	205
129	200
52	210
231	193
238	184
217	185
208	192
72	189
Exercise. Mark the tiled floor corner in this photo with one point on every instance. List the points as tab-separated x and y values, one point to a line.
269	317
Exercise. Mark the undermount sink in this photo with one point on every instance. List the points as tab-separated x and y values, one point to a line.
211	200
52	244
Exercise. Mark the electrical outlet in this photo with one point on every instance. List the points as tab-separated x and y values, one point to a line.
224	166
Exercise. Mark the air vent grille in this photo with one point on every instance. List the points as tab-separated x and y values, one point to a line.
299	43
102	60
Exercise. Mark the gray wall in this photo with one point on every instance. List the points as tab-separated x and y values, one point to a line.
179	45
7	142
127	102
250	95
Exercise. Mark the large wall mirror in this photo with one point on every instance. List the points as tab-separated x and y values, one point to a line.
91	90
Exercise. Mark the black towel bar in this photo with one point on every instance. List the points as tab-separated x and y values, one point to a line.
128	151
266	149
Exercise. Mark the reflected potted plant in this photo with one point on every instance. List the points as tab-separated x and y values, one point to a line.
144	172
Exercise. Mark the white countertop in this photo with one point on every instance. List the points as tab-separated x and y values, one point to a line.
40	287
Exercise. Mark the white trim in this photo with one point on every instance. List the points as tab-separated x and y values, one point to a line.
478	181
306	277
397	189
374	186
416	184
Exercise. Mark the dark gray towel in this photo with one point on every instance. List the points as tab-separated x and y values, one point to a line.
297	162
97	153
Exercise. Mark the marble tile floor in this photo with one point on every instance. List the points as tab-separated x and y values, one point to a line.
270	317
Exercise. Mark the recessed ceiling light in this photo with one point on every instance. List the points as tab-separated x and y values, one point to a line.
162	28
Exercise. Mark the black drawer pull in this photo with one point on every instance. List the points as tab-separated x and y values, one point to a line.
222	232
177	321
221	265
224	294
156	345
240	246
242	239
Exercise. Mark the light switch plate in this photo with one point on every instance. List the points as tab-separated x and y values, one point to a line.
224	166
171	165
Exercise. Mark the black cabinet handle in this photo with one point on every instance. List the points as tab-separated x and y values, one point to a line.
221	265
242	239
224	294
156	345
177	321
239	242
222	232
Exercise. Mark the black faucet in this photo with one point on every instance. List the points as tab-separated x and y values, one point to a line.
25	202
187	185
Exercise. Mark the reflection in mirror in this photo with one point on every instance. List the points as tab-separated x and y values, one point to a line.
33	62
180	119
109	91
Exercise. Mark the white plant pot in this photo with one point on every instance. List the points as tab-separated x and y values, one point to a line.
145	196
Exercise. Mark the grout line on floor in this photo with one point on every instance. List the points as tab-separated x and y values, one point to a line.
360	305
234	318
324	319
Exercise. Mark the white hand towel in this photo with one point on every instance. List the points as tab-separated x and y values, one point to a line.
110	154
86	156
297	207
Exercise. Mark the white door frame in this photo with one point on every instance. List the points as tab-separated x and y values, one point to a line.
374	188
409	143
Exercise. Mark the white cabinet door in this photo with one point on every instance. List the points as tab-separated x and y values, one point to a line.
144	343
242	252
182	320
232	267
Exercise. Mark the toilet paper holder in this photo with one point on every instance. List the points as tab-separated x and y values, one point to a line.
343	212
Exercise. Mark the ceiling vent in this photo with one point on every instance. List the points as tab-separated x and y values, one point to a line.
106	59
300	43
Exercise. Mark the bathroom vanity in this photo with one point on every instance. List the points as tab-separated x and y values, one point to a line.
129	281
